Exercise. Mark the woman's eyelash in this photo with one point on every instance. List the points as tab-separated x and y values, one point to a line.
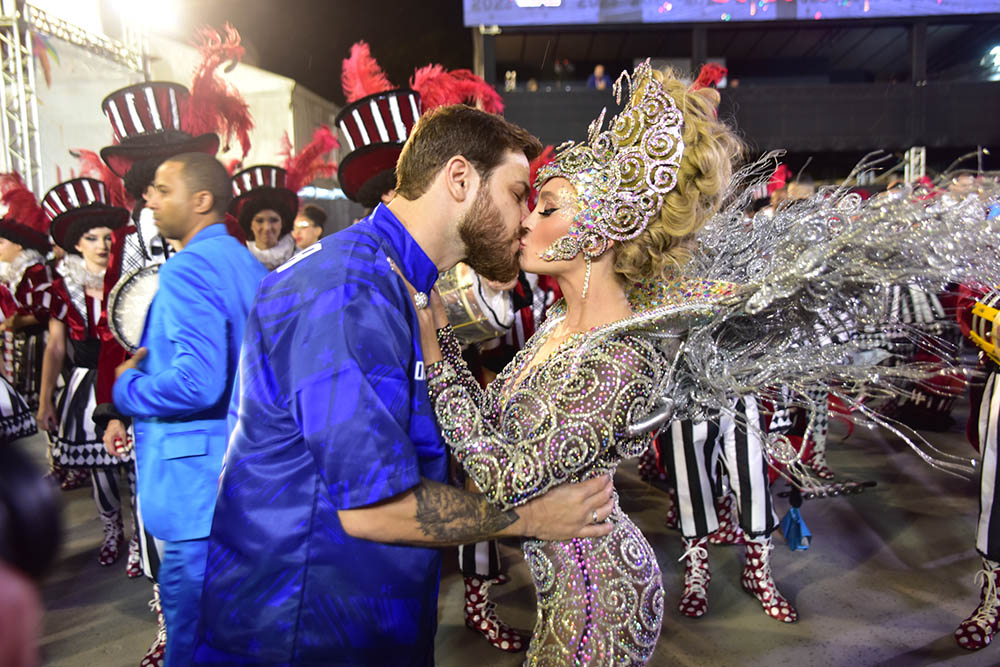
549	211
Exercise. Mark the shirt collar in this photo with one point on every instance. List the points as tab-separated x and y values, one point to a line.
211	231
413	261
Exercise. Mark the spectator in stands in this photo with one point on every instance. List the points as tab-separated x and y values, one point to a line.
599	80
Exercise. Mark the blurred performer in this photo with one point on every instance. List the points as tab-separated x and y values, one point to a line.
692	452
265	197
975	310
82	221
308	226
23	244
169	120
265	209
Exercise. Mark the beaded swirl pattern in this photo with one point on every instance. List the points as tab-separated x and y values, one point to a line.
621	174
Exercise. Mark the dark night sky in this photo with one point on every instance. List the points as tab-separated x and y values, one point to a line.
307	39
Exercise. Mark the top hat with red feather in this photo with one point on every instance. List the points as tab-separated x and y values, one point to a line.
24	223
146	119
379	117
260	188
78	205
374	129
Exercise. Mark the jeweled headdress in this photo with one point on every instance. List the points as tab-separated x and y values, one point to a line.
621	174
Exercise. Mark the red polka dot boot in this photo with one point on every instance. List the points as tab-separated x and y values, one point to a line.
673	514
729	531
133	565
758	582
694	599
157	650
977	630
648	470
480	615
114	537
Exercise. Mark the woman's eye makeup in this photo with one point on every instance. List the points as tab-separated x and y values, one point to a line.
548	211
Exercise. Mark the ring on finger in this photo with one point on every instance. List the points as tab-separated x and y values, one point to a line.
420	300
594	517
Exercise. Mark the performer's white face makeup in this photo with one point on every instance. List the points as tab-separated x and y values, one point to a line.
9	250
554	212
94	245
266	227
491	229
305	232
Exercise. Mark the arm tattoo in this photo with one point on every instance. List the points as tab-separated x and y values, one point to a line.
447	515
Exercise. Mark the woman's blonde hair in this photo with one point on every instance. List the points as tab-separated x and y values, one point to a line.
710	149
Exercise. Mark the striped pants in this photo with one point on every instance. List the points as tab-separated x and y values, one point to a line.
693	451
988	530
480	560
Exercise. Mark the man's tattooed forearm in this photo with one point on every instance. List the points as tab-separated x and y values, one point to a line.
447	515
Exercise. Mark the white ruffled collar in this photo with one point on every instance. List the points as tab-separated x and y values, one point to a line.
73	268
12	272
274	257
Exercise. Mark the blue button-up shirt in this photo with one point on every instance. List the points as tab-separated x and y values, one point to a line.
333	414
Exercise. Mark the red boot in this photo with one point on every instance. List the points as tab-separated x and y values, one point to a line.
729	531
673	514
757	581
114	537
977	630
133	566
157	650
480	615
694	599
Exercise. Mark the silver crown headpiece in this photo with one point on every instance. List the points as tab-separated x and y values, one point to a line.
622	174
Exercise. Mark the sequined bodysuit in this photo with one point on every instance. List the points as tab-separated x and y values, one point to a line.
600	601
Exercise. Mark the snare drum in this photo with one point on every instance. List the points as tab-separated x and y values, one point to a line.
458	288
128	303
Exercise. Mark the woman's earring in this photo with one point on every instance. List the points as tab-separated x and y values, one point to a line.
586	277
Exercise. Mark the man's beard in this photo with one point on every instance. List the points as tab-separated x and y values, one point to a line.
487	243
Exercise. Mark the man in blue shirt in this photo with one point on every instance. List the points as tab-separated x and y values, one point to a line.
333	494
179	385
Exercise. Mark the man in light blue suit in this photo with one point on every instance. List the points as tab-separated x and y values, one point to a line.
178	386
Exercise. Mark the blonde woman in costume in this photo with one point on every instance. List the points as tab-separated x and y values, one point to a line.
613	212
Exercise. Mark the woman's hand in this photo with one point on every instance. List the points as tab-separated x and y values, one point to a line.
46	416
427	318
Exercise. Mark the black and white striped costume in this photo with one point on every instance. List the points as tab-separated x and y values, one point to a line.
692	452
75	443
988	528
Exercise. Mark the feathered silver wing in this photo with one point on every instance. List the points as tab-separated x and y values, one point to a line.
807	280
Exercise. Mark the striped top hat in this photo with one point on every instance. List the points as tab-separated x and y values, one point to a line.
78	205
147	122
374	130
260	188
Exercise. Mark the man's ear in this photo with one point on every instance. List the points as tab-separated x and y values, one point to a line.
460	177
203	202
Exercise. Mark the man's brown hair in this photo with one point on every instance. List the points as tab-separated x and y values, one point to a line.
481	138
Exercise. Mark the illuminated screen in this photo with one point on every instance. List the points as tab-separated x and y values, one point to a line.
582	12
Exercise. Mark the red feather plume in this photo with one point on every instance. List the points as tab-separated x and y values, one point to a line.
361	75
547	155
21	203
310	163
92	166
439	87
215	106
710	75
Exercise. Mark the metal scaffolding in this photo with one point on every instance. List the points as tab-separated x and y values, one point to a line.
21	145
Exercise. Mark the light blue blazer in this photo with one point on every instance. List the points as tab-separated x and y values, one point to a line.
179	396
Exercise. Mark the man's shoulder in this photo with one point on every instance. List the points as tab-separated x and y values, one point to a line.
349	256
